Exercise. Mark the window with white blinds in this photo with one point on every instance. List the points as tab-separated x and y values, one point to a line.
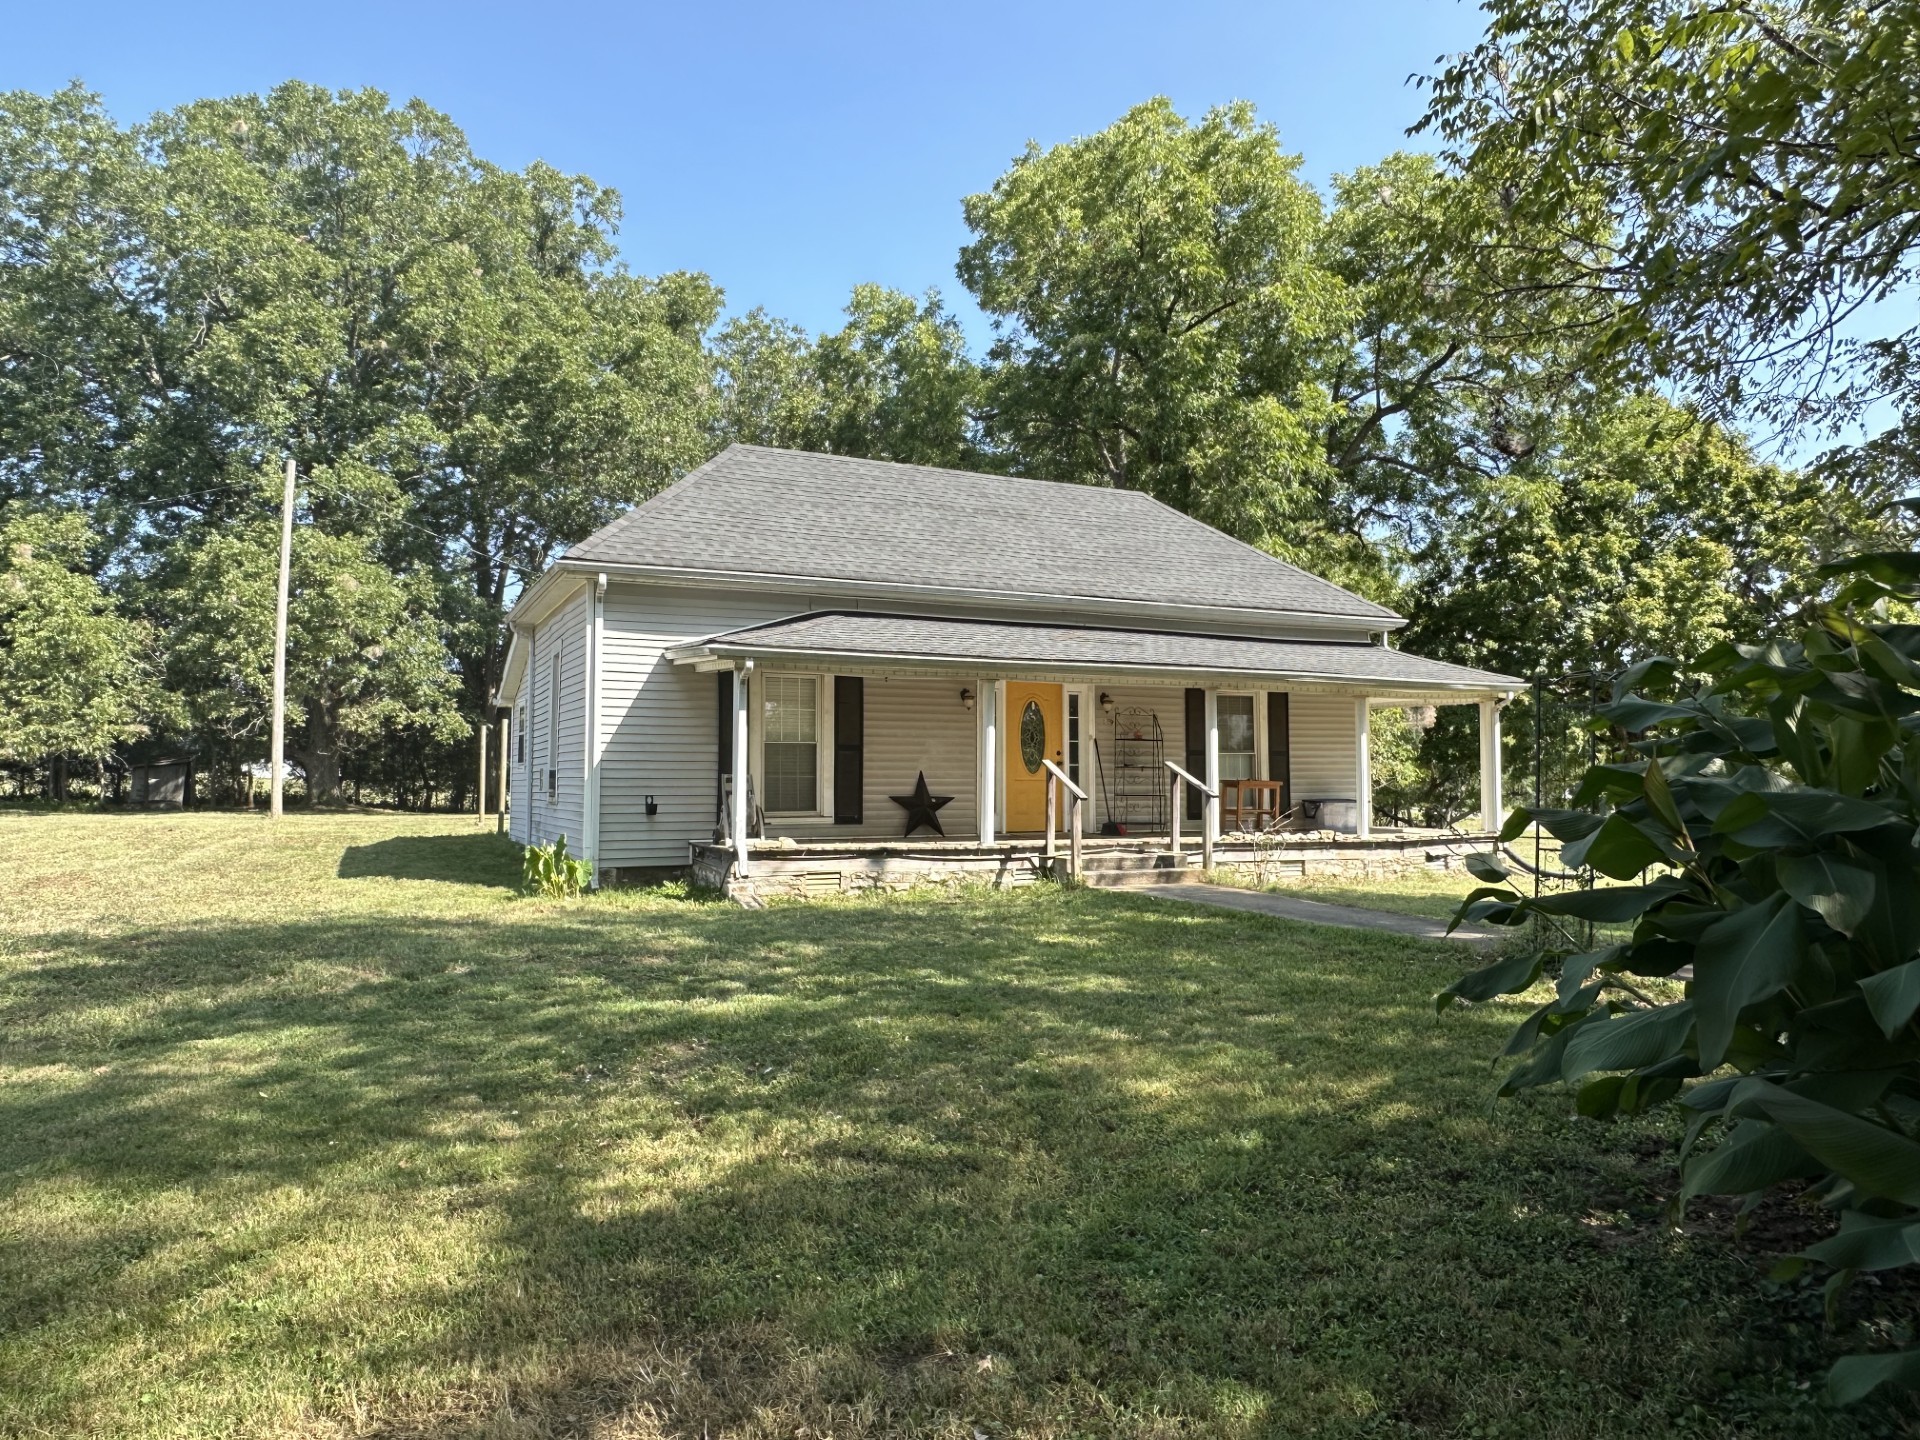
790	743
1238	759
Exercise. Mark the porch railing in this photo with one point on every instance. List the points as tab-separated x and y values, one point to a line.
1058	780
1211	799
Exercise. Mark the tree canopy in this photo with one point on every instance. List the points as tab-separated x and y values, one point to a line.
1161	317
464	375
1399	383
74	674
1735	186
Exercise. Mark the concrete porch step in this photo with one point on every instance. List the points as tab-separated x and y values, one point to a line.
1134	860
1137	879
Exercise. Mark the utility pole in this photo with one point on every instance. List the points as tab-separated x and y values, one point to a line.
480	792
500	799
279	757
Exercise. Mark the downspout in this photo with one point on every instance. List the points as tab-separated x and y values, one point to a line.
533	755
590	791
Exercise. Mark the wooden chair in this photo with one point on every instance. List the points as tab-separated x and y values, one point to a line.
1254	807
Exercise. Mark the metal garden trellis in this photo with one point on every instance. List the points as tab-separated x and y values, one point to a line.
1577	689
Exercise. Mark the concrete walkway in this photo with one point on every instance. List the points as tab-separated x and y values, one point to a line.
1316	912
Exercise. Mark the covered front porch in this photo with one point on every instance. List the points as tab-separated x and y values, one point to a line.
881	750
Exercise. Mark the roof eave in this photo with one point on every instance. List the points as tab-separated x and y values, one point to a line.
697	652
1384	620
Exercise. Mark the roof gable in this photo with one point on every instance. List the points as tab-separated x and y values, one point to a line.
797	515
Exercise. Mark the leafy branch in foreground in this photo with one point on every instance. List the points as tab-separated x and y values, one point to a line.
1768	845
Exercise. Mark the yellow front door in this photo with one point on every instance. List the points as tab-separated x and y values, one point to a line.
1035	732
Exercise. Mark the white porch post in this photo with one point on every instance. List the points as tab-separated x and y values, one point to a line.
738	820
1362	768
987	697
1210	805
1491	803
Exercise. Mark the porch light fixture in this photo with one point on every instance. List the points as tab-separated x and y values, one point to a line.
966	697
1106	701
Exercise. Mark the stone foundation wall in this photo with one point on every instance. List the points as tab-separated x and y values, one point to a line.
806	876
1382	860
800	874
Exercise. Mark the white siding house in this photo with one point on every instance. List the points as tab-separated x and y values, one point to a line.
880	623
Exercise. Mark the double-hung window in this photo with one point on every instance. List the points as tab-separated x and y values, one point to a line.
790	743
1238	757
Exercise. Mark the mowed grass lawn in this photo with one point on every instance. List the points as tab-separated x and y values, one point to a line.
322	1130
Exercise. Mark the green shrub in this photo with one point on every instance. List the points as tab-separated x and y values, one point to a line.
548	870
1768	833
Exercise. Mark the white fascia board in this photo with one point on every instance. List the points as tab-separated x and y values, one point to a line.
1023	602
554	588
512	671
1458	692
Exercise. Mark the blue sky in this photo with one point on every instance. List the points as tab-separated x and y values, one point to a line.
788	151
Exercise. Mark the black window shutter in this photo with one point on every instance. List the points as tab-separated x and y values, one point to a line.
849	747
1280	745
1196	747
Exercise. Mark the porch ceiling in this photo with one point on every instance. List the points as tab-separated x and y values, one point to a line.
861	639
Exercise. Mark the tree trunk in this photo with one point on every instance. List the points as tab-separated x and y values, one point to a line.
320	758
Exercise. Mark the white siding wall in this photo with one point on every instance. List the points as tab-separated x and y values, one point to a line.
916	724
659	721
659	731
1323	751
1168	702
560	748
1321	728
520	807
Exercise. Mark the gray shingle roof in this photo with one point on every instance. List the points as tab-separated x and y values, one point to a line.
859	633
786	513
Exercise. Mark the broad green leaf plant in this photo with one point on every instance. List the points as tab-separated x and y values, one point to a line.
551	873
1765	838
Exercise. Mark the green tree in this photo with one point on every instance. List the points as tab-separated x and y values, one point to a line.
1637	528
1645	530
1163	318
1453	371
894	383
770	393
466	377
366	656
1735	182
73	676
1763	826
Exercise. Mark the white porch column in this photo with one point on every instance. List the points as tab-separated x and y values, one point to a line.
1362	768
1210	808
1491	803
987	697
737	822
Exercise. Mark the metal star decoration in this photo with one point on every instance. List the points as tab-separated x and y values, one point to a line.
923	807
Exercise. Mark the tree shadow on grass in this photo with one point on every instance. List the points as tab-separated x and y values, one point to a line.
482	858
1066	1164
